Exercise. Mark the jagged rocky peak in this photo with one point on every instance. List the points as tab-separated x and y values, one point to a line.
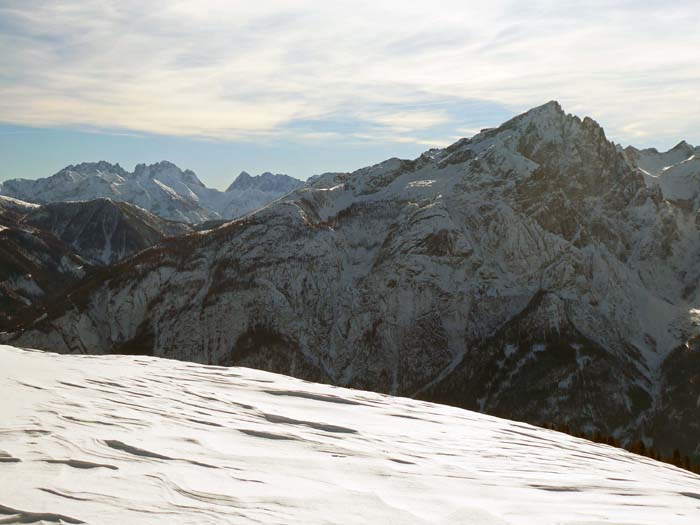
572	151
552	124
546	113
544	134
542	147
166	168
684	147
143	168
162	188
75	173
103	231
243	180
654	163
267	181
542	144
101	166
553	107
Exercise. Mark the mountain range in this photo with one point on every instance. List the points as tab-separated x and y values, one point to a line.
161	188
536	271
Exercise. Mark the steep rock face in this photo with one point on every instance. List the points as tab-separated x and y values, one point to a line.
103	231
675	421
45	250
540	367
13	210
33	264
265	182
161	188
528	271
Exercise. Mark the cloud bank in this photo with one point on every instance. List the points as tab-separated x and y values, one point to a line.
381	70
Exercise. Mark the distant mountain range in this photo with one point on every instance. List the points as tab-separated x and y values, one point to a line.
535	271
162	188
90	216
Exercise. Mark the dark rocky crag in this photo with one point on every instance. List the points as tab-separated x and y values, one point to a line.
46	250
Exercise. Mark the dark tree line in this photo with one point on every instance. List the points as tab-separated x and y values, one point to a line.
636	447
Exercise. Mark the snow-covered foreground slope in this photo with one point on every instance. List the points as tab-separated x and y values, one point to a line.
143	440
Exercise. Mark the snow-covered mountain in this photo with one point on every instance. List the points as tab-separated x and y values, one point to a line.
247	193
162	188
676	171
103	231
528	271
144	440
265	182
45	249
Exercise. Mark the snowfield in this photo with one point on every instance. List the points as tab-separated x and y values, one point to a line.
144	440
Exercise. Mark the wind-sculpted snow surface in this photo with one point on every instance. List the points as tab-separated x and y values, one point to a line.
527	272
144	440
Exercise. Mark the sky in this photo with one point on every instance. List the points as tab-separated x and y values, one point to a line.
308	86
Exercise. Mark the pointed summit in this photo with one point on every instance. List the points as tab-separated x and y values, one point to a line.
549	112
240	182
540	116
166	169
552	106
683	147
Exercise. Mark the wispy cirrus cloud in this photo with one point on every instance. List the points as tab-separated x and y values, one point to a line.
381	70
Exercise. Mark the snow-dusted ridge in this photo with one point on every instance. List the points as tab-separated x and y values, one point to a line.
161	188
675	172
144	440
103	231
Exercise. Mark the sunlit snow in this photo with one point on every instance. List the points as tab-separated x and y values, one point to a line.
142	440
